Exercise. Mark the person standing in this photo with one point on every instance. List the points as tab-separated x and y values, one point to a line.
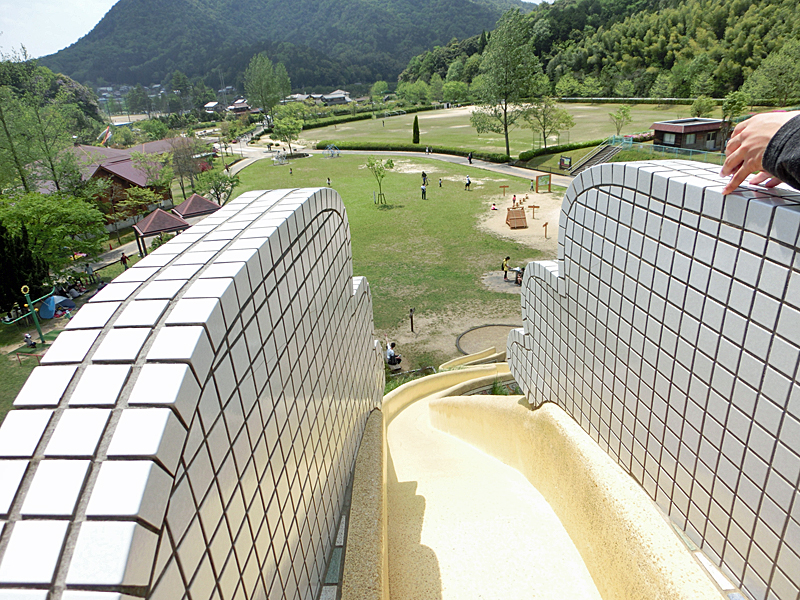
505	268
468	183
424	178
124	260
329	182
440	182
423	192
469	157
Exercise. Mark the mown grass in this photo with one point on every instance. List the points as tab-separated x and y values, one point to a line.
427	255
451	128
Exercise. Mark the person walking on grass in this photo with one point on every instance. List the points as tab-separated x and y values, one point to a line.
424	189
467	184
124	260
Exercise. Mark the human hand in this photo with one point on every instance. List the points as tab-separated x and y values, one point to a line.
745	149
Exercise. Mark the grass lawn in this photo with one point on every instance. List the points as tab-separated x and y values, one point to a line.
452	128
428	255
13	375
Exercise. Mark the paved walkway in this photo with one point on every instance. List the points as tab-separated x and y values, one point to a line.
464	525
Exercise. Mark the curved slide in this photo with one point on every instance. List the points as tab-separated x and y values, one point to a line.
464	525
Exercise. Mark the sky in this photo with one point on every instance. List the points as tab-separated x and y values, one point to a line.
47	26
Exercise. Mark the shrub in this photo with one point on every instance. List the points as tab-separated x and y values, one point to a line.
529	154
494	157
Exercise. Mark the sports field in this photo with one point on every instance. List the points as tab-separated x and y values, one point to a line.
451	128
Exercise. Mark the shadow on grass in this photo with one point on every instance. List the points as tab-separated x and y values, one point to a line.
390	206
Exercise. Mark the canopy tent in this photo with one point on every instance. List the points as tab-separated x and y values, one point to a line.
155	223
195	206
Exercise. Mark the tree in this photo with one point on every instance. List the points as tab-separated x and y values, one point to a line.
379	90
591	87
378	169
286	129
778	75
621	118
184	163
19	267
137	202
15	155
266	84
511	72
455	72
58	226
455	92
702	107
567	86
546	117
218	185
624	89
181	85
437	87
662	86
138	101
415	131
733	106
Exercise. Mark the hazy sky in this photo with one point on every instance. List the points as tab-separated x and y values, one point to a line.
47	26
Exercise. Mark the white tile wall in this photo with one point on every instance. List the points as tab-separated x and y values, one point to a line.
668	330
183	435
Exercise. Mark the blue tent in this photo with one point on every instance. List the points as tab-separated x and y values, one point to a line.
48	307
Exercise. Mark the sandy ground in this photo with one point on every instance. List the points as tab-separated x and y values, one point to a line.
434	339
548	212
464	525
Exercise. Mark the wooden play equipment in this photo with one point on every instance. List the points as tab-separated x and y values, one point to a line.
515	218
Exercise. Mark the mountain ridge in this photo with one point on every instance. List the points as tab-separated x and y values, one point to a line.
144	41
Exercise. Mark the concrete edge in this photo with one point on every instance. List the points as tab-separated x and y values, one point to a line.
366	562
464	389
625	541
408	393
463	360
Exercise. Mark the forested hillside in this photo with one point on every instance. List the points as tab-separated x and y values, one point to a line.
647	47
320	41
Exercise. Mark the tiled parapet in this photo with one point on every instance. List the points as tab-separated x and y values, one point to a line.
669	328
192	433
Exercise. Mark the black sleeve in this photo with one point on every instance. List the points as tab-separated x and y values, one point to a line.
782	156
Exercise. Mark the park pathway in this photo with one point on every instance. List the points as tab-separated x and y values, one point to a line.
464	525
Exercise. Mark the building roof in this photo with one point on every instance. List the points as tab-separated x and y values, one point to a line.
195	206
159	221
692	125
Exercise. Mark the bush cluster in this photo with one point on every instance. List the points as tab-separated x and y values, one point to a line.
494	157
529	154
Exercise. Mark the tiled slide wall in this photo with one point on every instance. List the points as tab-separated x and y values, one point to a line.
192	433
669	328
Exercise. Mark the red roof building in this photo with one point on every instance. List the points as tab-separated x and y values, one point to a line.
156	223
195	206
694	134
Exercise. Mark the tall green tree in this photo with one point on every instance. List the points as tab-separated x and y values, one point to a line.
510	73
437	87
138	101
733	106
58	226
547	118
703	106
378	90
286	129
218	185
778	75
265	84
19	267
415	131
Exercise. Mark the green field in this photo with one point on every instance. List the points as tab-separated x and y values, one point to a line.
451	128
428	255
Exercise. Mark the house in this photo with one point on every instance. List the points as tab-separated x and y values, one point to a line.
336	97
118	168
212	107
239	106
692	134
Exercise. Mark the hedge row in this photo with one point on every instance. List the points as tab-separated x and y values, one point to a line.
358	145
336	121
529	154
